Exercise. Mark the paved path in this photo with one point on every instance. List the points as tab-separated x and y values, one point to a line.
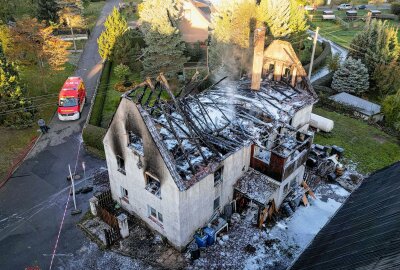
336	49
32	203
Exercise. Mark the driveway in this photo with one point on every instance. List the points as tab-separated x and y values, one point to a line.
33	201
336	49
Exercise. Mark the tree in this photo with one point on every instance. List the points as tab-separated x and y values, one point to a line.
127	49
71	17
377	44
276	14
387	78
12	101
122	72
165	49
5	38
391	110
33	42
47	10
333	62
351	77
115	26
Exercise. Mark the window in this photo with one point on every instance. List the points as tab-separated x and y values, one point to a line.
160	217
153	185
152	212
286	188
218	175
154	215
216	203
271	68
121	164
124	195
286	75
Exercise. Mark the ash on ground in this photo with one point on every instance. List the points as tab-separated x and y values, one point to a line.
276	247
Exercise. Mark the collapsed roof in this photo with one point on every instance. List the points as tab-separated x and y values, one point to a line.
194	133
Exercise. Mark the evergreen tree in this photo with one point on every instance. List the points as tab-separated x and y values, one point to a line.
376	45
115	26
276	14
127	49
391	110
351	77
47	10
387	78
165	48
12	101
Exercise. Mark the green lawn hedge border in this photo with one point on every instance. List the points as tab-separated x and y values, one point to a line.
93	138
320	60
97	110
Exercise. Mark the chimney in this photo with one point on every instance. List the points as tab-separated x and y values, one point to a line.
258	58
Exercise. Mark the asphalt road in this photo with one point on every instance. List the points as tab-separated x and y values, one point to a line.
32	202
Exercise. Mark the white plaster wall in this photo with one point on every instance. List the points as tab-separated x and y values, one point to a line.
301	118
134	180
197	203
297	176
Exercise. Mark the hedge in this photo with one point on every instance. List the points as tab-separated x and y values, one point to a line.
97	110
93	139
395	7
320	60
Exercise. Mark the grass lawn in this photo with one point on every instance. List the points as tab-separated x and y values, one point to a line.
365	145
339	34
14	141
92	12
113	96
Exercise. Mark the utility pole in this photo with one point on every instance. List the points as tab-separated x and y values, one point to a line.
72	33
313	52
75	211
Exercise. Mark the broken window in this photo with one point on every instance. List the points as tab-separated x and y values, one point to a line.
121	164
218	175
271	68
216	203
286	74
124	195
286	188
153	185
135	143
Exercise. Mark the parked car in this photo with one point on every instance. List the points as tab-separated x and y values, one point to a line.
344	7
310	8
328	15
361	7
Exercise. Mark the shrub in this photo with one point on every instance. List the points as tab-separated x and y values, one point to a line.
391	110
93	139
351	77
122	72
97	110
395	7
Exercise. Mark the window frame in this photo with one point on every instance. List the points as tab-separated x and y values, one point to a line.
124	194
148	177
221	177
121	165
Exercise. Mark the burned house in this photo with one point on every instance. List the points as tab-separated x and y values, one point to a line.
177	163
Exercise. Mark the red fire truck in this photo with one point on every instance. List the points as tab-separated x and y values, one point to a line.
71	99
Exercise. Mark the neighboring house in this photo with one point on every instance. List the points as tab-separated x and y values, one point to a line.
176	164
365	232
365	109
195	21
